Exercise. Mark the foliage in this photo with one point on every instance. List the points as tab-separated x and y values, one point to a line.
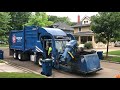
39	19
1	61
5	19
106	26
60	19
19	19
88	45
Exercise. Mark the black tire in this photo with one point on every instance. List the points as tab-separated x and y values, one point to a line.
15	55
23	56
20	56
39	62
38	59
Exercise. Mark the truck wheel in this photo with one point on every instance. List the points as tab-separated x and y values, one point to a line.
39	62
15	55
19	56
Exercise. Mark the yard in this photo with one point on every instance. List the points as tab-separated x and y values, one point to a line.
19	75
113	58
114	52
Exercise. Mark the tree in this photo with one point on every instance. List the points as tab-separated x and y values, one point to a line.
106	25
19	19
60	19
4	25
39	19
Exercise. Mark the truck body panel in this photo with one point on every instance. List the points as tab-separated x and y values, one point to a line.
16	40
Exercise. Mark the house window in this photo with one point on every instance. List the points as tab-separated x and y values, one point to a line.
85	39
79	29
85	22
89	38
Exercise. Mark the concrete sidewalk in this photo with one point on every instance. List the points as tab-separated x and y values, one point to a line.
7	68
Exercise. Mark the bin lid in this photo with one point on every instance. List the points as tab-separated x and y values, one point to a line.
1	51
100	51
46	60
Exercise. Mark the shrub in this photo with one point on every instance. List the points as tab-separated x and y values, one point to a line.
88	45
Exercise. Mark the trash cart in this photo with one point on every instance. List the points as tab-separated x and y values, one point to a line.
1	54
46	67
100	54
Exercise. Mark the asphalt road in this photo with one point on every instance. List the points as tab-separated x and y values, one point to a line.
109	69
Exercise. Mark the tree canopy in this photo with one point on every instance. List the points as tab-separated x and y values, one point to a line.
39	19
19	19
59	19
106	25
5	19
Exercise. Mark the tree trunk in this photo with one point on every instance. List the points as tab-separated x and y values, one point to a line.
107	48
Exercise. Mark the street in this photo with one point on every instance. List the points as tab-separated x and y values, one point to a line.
110	70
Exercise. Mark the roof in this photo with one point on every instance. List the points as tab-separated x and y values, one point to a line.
55	31
52	31
87	33
85	17
80	24
63	26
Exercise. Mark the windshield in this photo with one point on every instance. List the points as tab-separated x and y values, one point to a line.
60	45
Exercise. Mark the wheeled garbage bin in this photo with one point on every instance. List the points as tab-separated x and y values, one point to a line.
100	54
46	67
1	54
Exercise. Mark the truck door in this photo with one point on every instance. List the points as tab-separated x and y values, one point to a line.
49	36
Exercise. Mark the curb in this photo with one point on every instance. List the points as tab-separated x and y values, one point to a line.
26	70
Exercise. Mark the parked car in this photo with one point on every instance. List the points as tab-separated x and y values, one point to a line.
117	44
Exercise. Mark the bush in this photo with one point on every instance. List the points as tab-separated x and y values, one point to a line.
88	45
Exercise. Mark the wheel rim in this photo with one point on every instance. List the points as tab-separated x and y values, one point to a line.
14	55
19	56
39	61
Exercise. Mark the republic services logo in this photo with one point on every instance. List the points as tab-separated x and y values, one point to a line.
14	39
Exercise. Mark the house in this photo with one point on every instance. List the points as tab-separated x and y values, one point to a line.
63	26
82	31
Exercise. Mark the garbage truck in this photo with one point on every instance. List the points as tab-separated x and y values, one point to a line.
30	44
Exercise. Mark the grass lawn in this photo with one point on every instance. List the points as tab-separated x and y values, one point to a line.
111	58
114	52
19	75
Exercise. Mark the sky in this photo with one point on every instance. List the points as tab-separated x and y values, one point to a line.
72	15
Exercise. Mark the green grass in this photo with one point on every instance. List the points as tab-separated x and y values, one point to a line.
114	52
111	58
4	45
1	61
19	75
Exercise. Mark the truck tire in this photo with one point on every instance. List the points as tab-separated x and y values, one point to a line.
23	56
20	56
39	62
15	55
38	59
